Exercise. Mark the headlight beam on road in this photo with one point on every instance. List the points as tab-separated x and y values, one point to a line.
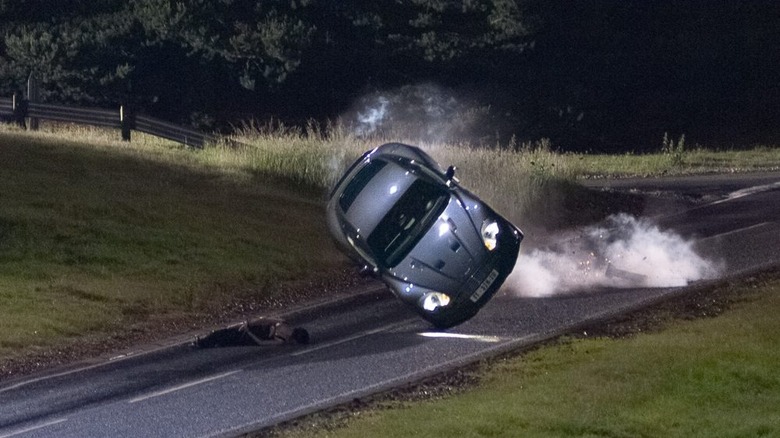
480	338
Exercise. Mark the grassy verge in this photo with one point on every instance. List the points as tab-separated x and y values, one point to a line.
94	238
679	162
705	377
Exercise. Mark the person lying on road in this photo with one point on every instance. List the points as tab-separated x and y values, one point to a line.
255	332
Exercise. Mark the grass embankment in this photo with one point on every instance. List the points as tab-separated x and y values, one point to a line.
94	238
709	377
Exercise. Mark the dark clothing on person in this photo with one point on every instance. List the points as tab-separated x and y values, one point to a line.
256	332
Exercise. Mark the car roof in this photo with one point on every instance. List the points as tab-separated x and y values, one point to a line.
378	196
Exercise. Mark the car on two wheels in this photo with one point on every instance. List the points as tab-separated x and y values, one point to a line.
436	245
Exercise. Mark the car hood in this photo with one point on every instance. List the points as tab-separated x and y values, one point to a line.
449	251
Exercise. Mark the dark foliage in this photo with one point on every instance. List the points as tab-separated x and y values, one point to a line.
591	75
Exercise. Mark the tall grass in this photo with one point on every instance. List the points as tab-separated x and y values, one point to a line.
527	185
309	156
517	183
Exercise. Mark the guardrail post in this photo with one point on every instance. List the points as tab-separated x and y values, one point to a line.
32	96
127	121
19	106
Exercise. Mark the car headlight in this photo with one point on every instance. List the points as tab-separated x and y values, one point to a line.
490	234
434	300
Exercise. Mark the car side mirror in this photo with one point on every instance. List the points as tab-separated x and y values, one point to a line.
450	172
450	175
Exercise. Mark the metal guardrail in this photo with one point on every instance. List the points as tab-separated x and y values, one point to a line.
6	108
16	110
180	134
85	116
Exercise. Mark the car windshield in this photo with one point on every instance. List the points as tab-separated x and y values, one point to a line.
407	221
359	181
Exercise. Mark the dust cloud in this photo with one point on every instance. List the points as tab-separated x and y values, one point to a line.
419	113
623	252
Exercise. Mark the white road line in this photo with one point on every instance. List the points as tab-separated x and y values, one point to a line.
183	386
748	191
740	230
36	427
49	376
352	338
129	355
81	369
359	392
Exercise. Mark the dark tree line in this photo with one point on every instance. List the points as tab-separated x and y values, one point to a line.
591	75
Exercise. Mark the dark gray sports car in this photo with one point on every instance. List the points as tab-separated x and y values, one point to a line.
435	244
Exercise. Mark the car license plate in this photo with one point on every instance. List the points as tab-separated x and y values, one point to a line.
484	286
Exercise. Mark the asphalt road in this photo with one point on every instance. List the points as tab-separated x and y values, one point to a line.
367	342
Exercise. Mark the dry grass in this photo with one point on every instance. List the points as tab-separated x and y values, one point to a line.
514	181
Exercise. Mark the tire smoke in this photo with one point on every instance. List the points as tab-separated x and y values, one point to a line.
419	113
624	252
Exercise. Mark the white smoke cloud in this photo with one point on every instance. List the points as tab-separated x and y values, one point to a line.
626	252
372	116
422	112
